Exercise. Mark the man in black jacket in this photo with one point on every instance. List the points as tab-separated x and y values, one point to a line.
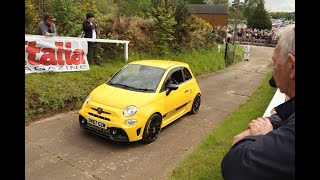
89	28
266	150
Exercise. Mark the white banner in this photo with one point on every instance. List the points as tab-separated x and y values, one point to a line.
44	54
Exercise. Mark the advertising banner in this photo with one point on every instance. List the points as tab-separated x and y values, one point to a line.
44	54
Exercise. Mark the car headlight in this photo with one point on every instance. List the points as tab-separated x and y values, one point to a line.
129	111
131	122
87	100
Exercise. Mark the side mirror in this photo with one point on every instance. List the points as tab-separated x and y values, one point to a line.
172	87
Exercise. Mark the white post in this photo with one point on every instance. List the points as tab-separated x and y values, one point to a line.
126	52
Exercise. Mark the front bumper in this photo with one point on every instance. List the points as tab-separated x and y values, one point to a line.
116	130
112	133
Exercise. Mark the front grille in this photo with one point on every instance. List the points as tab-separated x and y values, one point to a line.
98	116
96	109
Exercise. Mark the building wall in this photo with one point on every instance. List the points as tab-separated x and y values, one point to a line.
215	19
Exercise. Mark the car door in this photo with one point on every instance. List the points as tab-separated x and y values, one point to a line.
189	85
174	103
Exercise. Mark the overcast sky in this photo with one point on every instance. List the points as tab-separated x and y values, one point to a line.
278	5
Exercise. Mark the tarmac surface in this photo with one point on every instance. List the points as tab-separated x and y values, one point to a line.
57	148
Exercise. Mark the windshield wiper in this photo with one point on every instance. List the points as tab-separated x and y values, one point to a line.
129	87
143	89
123	85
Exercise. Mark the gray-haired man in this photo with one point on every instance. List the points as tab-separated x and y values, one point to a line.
266	150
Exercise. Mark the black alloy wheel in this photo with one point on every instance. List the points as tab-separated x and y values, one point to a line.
196	104
152	129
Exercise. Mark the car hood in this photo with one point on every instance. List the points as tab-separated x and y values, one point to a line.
120	98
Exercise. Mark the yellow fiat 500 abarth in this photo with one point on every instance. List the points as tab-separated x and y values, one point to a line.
140	99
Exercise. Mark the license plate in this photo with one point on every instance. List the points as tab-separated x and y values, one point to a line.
97	123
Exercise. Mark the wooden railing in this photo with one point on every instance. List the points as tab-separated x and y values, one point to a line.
257	42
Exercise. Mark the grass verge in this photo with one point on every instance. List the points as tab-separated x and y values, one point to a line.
204	161
49	93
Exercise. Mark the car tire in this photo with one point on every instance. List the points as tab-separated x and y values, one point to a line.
196	104
152	129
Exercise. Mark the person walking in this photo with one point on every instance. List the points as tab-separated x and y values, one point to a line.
246	52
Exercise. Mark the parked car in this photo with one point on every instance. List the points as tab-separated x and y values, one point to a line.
140	99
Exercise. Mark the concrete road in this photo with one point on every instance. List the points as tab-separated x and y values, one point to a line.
56	147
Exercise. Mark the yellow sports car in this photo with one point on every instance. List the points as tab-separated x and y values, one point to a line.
140	99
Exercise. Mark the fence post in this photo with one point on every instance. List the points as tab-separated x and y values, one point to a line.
225	52
126	56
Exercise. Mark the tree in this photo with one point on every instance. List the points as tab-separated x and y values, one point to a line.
139	8
249	6
163	14
286	15
31	17
260	18
43	6
182	14
290	15
106	7
89	6
69	17
233	13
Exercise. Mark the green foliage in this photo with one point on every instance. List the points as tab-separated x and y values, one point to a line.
249	6
219	34
197	23
69	17
205	161
183	27
154	26
234	57
139	8
31	17
106	7
89	6
163	14
233	13
140	32
286	15
260	18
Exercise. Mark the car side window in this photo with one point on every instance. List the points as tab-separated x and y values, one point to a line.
174	77
177	77
187	74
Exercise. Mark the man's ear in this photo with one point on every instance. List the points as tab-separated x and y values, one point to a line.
292	65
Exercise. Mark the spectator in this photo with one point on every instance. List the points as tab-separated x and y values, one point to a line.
246	52
266	150
89	28
47	27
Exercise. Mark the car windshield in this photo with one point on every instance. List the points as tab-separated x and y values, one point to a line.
137	77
